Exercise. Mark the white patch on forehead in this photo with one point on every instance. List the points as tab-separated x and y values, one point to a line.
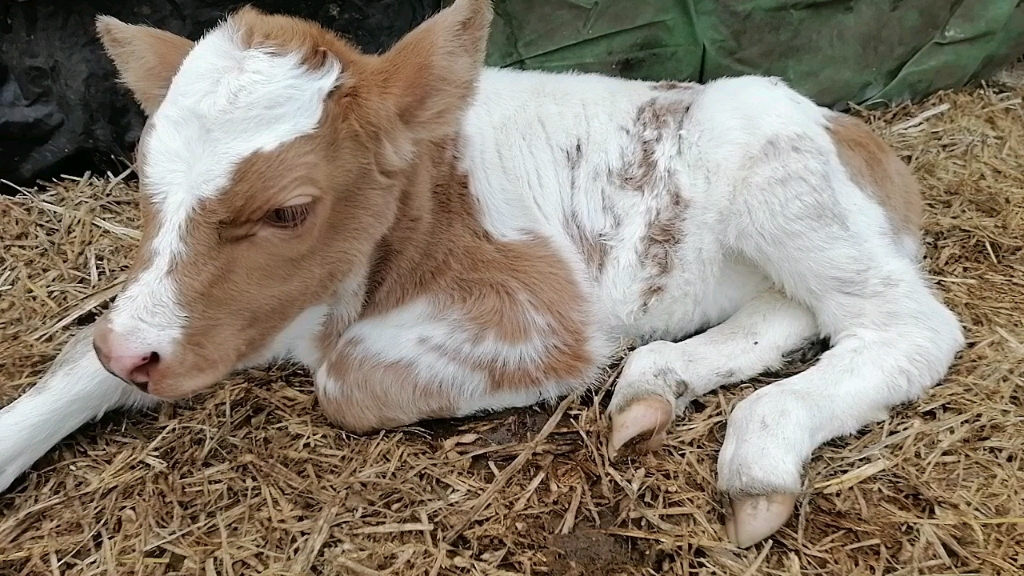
225	103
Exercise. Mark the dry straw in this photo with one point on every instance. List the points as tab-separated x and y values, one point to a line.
250	478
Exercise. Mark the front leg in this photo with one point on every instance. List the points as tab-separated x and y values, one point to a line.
362	394
408	365
73	391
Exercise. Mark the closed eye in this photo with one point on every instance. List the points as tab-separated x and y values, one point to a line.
287	216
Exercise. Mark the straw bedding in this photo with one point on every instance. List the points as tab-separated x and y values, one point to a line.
250	478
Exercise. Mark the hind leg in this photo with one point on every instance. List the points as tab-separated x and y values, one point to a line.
818	237
872	366
773	432
662	378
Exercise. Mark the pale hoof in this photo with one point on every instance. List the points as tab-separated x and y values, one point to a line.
750	519
642	424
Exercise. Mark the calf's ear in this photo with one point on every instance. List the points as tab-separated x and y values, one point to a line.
429	75
146	58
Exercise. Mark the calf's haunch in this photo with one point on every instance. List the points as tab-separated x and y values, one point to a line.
434	238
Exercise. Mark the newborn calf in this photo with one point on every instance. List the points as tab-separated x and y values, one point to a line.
434	238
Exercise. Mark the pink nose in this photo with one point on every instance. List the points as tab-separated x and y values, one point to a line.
121	359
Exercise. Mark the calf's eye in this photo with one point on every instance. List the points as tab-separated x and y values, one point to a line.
287	216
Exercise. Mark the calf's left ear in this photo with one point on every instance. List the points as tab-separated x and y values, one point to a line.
146	58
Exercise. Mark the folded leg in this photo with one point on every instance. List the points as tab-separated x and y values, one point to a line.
662	378
390	372
826	245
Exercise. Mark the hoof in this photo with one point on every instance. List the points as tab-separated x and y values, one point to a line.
750	519
642	425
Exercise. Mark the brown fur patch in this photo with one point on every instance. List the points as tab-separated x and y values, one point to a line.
875	168
574	160
365	395
288	35
500	288
657	252
591	246
656	120
671	85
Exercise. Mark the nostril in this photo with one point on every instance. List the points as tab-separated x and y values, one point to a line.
140	374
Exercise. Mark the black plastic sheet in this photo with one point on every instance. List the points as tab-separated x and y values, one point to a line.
61	108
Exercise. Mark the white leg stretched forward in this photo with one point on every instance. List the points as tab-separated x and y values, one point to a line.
75	390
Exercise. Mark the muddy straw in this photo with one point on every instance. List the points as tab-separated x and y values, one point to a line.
251	478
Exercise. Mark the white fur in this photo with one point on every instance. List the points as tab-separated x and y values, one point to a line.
225	104
769	207
753	340
778	246
298	340
75	390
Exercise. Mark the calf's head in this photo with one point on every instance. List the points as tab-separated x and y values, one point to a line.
272	163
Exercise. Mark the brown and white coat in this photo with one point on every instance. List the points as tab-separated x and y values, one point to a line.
434	238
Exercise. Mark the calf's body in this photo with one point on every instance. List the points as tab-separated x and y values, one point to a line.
459	239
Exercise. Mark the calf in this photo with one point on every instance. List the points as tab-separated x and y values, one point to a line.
433	238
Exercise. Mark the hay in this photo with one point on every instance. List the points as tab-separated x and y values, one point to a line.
250	478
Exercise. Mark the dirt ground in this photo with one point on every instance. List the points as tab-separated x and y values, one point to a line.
251	479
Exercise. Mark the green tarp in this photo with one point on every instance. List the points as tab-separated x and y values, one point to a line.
835	51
